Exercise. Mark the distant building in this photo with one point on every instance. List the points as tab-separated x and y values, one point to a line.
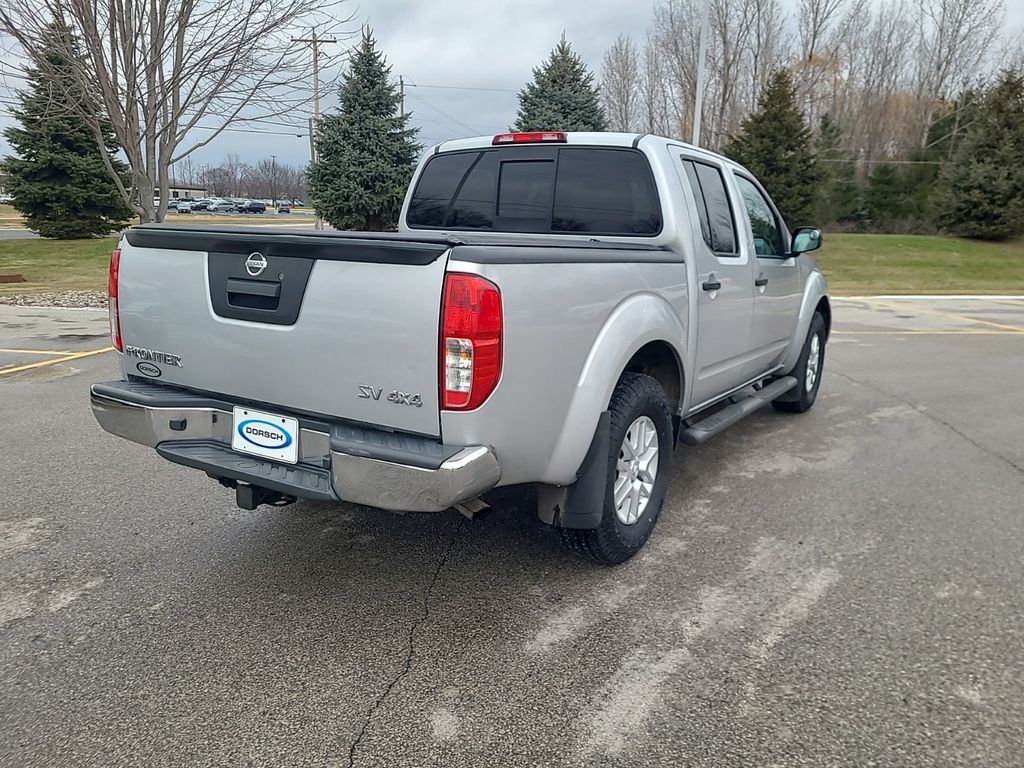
180	191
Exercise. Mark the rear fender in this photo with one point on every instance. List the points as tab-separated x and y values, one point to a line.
635	322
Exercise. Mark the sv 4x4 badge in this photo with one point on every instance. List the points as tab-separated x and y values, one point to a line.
398	398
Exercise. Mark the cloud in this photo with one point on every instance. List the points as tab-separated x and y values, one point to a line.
471	43
475	44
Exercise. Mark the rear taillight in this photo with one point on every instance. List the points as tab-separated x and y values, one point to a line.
470	341
112	309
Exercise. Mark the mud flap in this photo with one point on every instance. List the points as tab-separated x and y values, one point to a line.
581	504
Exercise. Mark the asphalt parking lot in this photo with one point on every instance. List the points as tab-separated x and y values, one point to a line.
842	588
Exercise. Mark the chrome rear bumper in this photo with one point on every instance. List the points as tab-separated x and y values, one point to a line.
464	473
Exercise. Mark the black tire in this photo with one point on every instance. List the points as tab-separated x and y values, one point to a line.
613	541
806	396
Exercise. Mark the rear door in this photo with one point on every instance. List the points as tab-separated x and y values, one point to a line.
322	324
724	277
777	286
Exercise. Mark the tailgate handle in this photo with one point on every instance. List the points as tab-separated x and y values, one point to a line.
254	287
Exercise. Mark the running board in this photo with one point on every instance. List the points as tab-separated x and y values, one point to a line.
720	420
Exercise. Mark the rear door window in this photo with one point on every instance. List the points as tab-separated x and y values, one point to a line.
538	189
716	218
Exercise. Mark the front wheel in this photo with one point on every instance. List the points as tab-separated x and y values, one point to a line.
639	462
808	370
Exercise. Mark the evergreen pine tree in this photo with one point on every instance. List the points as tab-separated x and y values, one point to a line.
562	96
887	201
920	177
920	181
981	192
57	176
775	144
949	126
839	200
365	151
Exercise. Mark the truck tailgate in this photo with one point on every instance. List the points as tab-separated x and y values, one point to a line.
321	324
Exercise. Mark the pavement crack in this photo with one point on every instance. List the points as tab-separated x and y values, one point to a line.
937	419
410	651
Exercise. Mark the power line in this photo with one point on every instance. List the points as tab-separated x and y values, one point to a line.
259	131
885	162
460	88
249	130
450	118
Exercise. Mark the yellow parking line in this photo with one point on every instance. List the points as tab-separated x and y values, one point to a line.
36	351
965	332
947	315
44	363
1008	302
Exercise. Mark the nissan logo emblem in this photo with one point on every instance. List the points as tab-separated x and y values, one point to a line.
256	263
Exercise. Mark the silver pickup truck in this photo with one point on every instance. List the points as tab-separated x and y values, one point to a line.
556	309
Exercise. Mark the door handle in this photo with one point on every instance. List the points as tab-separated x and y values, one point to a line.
254	287
711	285
761	281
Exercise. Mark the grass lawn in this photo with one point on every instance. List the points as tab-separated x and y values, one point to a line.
10	217
56	265
864	265
855	265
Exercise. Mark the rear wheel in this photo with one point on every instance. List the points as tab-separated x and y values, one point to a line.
808	369
639	461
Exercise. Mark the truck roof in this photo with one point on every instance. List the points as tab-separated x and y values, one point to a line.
589	138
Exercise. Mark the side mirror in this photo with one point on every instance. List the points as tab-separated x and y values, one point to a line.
806	239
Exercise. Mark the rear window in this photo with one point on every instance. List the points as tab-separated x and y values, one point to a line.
538	190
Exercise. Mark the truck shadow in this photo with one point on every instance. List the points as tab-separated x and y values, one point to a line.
313	547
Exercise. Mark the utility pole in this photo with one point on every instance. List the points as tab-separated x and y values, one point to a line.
315	42
401	96
273	179
698	105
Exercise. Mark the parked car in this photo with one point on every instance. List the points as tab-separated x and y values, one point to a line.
183	206
201	205
284	208
556	309
252	206
6	199
222	206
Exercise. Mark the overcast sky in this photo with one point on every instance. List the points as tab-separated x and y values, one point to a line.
473	44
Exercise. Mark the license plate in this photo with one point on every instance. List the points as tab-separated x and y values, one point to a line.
265	434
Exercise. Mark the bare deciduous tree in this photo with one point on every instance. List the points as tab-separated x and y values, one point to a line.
816	71
168	71
654	91
769	44
185	172
814	21
271	180
882	69
235	170
955	37
747	40
620	84
672	55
